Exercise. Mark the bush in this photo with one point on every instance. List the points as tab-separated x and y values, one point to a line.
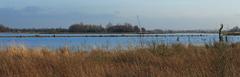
3	28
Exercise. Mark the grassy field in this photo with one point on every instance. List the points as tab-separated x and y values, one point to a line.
216	60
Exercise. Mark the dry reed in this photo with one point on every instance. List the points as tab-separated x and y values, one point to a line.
217	60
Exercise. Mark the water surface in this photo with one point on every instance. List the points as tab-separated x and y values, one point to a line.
109	42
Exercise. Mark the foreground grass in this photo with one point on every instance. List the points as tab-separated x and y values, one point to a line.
218	60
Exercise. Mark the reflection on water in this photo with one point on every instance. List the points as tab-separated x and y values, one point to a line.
108	42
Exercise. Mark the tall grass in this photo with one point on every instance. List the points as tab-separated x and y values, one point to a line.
216	60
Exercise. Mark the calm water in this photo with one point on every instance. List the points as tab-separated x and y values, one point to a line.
108	42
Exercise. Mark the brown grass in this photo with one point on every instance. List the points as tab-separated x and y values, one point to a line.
217	60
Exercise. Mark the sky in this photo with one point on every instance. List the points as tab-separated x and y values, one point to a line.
153	14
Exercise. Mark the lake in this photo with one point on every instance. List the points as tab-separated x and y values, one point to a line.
108	42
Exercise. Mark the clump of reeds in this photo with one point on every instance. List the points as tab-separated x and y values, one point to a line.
216	60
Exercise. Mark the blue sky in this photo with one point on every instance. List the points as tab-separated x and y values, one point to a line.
161	14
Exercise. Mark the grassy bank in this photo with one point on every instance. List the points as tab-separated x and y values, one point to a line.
217	60
232	33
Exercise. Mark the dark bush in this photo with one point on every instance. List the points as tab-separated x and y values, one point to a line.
3	28
86	28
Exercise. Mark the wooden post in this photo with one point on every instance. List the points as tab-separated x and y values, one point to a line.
221	61
220	33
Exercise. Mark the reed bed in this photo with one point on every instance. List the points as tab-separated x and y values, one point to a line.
215	60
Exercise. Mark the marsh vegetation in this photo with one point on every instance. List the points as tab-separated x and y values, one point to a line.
154	60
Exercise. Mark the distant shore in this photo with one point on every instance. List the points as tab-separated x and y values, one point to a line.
231	33
100	35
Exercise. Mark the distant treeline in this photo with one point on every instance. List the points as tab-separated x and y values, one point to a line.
109	28
235	29
81	28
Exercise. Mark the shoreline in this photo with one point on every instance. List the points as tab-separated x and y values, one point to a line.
104	35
